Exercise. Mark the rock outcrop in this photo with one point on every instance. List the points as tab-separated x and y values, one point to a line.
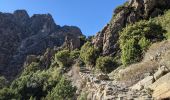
97	89
135	10
21	35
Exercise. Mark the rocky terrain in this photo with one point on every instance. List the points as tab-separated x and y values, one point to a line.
22	35
151	83
130	12
58	63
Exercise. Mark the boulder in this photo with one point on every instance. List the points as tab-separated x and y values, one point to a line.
143	83
161	71
137	87
161	80
162	91
30	59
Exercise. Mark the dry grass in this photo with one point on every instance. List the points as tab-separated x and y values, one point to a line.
136	72
157	50
165	61
157	55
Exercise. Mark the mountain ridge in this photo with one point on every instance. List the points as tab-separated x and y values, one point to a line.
30	35
128	59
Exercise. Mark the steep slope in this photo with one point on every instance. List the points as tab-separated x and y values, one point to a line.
21	35
130	12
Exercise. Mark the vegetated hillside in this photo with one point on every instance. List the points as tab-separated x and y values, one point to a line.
128	59
22	35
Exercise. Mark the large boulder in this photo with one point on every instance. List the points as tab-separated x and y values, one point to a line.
143	83
162	91
161	80
161	88
161	71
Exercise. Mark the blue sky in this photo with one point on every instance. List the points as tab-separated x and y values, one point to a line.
89	15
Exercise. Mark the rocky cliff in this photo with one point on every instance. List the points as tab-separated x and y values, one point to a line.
132	11
22	35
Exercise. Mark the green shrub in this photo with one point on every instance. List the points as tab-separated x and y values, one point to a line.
105	64
82	40
33	67
8	94
83	96
164	20
130	52
135	39
36	84
63	91
3	82
66	58
144	43
74	54
89	54
63	58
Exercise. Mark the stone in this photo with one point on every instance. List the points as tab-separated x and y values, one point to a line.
137	87
161	71
30	59
147	81
162	91
143	83
161	80
102	77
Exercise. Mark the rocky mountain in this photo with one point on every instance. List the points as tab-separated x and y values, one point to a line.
132	11
127	60
22	35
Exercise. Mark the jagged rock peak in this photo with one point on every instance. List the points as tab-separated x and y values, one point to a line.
21	13
43	16
130	12
22	35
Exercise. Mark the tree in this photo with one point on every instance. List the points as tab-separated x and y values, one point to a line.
136	38
8	94
89	54
63	91
63	58
105	64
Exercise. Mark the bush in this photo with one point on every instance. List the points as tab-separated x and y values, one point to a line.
8	94
33	67
3	82
105	64
83	96
35	85
136	38
63	91
89	54
63	58
130	52
82	40
164	20
74	54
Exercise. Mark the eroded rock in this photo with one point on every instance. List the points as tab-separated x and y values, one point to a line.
22	35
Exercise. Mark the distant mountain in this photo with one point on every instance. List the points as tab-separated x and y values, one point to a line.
22	35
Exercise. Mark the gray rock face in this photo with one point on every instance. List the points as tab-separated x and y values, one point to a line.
21	35
107	39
